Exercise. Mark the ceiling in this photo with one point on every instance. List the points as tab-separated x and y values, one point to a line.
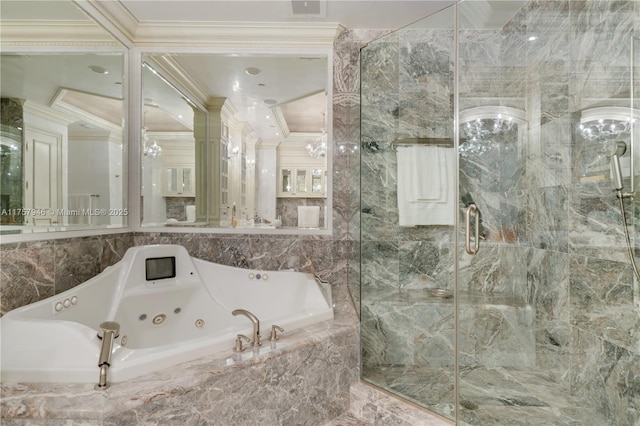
350	13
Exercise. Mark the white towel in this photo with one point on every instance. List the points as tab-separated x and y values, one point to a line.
308	216
80	203
426	184
420	164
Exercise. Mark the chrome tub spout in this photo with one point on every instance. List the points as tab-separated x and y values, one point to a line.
256	325
109	331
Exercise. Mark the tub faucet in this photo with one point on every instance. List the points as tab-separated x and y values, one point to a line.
109	331
256	325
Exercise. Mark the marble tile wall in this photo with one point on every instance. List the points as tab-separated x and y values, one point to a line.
32	271
554	265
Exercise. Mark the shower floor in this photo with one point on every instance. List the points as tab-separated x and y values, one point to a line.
489	396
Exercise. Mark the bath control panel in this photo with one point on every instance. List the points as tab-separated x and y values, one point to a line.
258	276
63	304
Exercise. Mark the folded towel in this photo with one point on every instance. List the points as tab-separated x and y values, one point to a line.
426	185
420	164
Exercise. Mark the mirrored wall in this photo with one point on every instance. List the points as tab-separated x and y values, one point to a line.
235	141
62	142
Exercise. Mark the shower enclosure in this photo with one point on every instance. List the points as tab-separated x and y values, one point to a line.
505	115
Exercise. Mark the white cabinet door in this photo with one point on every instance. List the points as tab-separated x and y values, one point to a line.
178	181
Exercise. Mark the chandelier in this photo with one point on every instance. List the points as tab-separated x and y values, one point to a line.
318	146
604	130
150	150
480	132
603	127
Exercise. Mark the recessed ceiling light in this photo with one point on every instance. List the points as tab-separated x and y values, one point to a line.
253	71
99	70
270	101
532	38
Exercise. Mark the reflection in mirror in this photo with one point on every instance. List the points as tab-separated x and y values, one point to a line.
171	123
265	148
61	142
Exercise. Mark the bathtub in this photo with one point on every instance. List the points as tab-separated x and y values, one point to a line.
171	308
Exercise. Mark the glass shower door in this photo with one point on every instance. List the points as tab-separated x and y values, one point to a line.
408	230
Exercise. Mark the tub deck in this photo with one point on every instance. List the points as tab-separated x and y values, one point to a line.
305	378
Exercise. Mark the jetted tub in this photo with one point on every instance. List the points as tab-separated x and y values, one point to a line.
171	308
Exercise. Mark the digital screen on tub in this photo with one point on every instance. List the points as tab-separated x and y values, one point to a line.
158	268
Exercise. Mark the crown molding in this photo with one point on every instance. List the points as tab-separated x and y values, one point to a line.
47	113
217	34
118	15
280	121
54	33
239	34
170	68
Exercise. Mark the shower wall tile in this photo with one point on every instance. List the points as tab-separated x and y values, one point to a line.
425	76
379	195
602	295
606	376
496	334
601	34
413	328
548	281
491	69
549	20
595	222
390	330
380	265
498	271
547	219
426	264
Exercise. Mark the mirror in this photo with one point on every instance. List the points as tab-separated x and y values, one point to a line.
234	140
61	126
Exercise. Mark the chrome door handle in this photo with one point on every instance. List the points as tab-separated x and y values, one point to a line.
472	209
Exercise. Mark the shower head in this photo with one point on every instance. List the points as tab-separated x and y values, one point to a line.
621	148
616	172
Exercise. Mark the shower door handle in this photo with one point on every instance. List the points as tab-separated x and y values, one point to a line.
472	209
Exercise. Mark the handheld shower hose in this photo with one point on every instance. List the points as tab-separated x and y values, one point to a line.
616	178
